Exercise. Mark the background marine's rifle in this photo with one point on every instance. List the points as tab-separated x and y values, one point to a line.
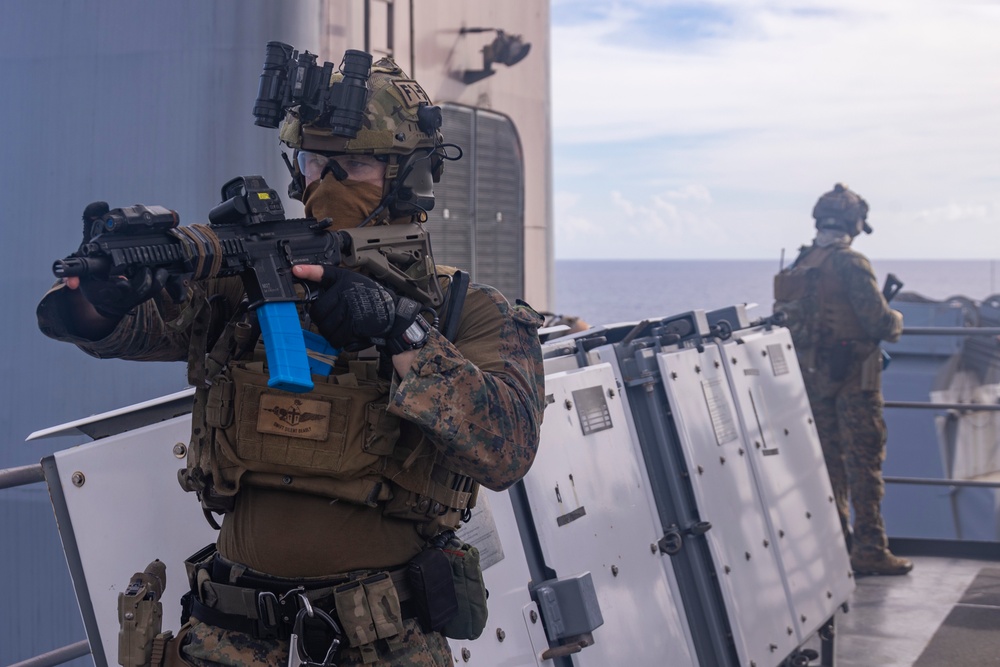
891	287
248	236
889	290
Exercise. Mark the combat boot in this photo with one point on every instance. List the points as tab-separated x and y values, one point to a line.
879	562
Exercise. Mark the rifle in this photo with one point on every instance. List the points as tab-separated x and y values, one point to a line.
891	287
889	290
248	236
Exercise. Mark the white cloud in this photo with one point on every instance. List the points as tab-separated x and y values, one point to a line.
899	98
670	223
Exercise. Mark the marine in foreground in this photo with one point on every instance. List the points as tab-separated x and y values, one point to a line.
338	504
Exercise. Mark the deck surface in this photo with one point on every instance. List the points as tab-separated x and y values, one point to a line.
901	621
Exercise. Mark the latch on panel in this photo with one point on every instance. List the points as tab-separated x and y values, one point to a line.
570	612
673	537
671	542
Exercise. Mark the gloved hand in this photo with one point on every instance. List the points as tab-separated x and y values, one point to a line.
114	297
354	311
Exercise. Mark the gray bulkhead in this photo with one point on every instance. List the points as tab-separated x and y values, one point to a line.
151	103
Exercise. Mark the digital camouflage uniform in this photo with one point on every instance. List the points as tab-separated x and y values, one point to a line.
837	341
235	649
480	400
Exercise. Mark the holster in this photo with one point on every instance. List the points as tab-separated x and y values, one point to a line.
167	650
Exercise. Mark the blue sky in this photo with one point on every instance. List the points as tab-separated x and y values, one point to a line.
708	129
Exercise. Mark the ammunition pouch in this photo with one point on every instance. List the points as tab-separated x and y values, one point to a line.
368	606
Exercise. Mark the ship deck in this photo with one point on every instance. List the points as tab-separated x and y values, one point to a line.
946	613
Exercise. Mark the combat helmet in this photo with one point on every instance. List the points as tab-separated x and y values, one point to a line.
397	123
842	209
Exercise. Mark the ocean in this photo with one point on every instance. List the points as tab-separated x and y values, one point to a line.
610	291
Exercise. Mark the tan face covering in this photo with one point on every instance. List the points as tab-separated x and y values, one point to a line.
345	202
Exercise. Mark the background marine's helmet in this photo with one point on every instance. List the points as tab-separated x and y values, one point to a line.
398	122
842	209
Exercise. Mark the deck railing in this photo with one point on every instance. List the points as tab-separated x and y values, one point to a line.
23	476
991	549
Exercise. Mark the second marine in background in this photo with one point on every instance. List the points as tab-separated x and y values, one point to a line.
837	316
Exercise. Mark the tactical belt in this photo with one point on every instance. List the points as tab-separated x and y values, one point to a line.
265	607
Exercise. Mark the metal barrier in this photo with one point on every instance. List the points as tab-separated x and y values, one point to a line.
932	481
951	331
952	484
21	476
58	656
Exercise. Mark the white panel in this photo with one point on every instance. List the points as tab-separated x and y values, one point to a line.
791	474
129	511
510	603
589	499
741	545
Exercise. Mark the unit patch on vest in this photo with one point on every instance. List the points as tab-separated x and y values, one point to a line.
294	417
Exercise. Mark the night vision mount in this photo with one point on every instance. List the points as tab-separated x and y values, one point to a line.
293	79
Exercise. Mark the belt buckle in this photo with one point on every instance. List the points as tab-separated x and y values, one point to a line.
267	614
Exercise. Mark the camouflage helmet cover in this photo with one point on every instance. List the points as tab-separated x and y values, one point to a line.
390	124
842	208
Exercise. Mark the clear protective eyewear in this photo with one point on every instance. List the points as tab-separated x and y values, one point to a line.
360	168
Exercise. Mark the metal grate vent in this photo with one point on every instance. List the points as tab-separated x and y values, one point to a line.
592	409
477	223
779	364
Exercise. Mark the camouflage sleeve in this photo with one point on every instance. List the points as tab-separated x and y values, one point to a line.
878	320
481	399
157	330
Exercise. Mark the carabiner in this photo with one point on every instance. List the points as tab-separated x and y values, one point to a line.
297	655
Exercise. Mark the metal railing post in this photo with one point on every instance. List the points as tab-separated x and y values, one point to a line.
21	476
58	656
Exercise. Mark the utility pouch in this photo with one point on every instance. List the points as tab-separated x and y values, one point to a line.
433	586
470	591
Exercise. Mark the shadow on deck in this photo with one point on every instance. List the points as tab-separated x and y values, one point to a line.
945	613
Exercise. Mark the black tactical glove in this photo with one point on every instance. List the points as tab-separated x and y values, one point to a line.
114	297
354	311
